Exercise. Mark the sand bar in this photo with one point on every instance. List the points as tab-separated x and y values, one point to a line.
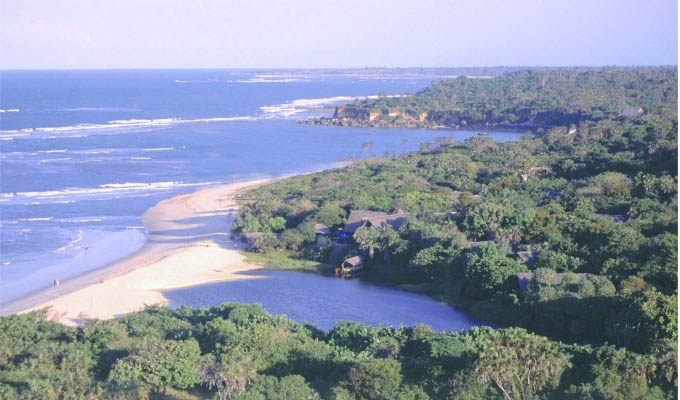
189	243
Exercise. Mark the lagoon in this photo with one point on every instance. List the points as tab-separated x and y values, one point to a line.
324	301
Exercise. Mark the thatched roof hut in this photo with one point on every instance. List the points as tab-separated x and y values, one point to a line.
321	229
377	219
353	262
631	112
529	257
350	266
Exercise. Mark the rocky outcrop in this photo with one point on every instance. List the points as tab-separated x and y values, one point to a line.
350	115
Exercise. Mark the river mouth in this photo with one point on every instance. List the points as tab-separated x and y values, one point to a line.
325	301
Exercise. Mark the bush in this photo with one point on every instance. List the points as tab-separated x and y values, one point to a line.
376	379
159	365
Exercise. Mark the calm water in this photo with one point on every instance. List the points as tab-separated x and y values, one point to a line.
84	153
323	301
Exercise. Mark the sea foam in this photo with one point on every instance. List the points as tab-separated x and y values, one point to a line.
289	109
114	126
102	192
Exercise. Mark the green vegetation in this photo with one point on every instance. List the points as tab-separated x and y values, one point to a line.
586	202
240	352
285	260
520	100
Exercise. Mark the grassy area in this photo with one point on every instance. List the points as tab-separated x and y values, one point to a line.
287	261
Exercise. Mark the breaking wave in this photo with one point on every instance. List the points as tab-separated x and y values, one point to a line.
290	109
101	192
112	126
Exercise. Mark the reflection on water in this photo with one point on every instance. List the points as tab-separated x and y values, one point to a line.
323	301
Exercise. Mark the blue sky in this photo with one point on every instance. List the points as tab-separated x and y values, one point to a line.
348	33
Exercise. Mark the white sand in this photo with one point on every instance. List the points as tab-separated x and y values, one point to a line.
189	243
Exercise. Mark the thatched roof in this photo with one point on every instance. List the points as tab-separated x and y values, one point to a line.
393	220
321	229
358	218
631	112
528	257
353	261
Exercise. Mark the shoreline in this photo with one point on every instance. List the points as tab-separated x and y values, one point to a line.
189	243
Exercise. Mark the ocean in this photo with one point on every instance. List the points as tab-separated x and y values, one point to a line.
84	153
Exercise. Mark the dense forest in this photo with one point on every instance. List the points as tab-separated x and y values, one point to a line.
521	100
240	352
568	237
585	203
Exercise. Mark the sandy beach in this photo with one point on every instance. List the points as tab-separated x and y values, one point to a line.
189	243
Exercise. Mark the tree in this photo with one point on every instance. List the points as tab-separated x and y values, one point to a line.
644	318
331	215
436	261
488	271
376	379
231	376
287	387
519	363
276	224
265	243
367	237
159	365
391	243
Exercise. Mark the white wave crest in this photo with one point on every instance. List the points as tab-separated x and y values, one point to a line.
82	220
95	151
108	191
72	243
272	79
105	109
115	126
289	109
197	81
54	160
53	151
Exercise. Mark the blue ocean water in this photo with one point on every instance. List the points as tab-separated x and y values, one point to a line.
84	153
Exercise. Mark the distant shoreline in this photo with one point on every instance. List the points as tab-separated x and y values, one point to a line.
189	243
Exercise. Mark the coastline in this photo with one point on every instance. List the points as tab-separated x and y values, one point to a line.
189	243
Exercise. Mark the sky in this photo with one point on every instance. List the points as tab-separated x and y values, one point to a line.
93	34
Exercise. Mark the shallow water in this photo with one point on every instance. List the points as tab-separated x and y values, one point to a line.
324	301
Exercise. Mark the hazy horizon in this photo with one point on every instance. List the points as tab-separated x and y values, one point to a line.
286	34
343	68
